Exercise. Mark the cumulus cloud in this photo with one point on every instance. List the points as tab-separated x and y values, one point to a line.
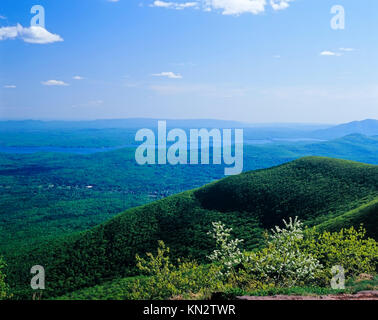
236	7
8	33
170	75
226	7
33	34
78	78
9	86
54	83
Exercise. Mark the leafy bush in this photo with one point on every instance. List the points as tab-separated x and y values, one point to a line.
187	279
348	248
282	262
294	261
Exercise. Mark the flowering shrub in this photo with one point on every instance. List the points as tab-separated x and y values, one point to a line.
291	258
227	252
283	262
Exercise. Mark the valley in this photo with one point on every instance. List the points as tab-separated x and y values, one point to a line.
62	210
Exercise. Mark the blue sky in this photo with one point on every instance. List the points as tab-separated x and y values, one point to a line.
224	59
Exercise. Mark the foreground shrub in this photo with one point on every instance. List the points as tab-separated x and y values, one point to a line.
292	258
187	279
348	248
227	253
283	262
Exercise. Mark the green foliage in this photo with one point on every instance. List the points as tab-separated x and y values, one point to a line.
293	257
4	289
362	283
185	280
317	189
365	214
314	189
271	291
227	253
285	266
352	286
118	289
348	248
45	195
282	262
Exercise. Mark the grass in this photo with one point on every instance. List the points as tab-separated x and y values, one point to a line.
360	284
352	286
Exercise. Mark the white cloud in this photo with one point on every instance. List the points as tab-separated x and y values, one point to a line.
336	53
169	75
226	7
330	53
162	4
174	5
280	4
113	0
2	17
8	33
54	83
32	34
236	7
347	49
78	78
10	86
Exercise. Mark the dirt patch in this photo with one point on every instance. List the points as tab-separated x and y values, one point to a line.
364	277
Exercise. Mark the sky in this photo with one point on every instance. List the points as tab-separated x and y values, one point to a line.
256	61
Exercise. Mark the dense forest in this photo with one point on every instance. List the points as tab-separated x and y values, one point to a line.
317	190
48	195
63	186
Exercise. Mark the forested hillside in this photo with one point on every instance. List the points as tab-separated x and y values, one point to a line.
48	195
317	190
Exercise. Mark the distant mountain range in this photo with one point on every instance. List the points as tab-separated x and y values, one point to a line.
367	127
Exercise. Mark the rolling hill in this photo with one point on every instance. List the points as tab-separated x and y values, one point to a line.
368	127
320	191
355	147
46	195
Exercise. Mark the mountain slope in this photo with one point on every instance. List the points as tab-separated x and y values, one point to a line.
355	147
32	210
366	214
314	189
368	127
